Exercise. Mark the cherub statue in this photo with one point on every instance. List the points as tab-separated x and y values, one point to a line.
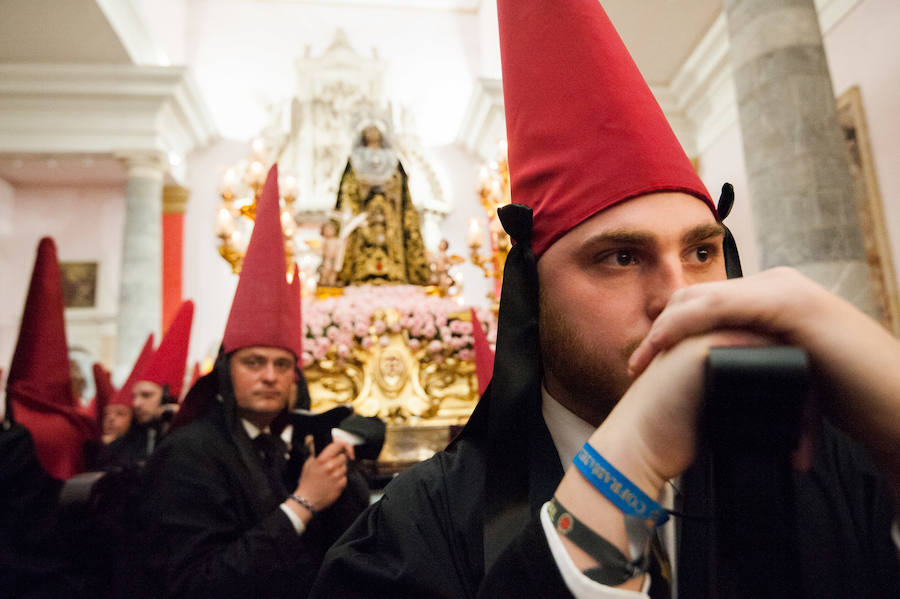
440	264
334	242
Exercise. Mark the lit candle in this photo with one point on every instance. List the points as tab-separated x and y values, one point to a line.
287	224
474	232
224	223
237	242
255	173
258	146
289	187
228	181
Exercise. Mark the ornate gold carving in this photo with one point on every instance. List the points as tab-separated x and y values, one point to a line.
392	389
409	362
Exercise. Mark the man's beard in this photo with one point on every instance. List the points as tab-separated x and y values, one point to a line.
593	385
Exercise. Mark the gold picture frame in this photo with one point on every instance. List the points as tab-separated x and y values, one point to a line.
79	284
852	118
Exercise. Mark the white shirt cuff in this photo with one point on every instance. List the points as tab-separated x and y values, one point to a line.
578	584
299	526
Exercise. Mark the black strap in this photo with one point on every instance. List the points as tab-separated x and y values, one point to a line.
729	246
513	397
614	568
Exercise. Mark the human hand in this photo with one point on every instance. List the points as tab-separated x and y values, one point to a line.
854	360
651	434
324	477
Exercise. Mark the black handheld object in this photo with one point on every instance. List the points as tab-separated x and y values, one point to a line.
750	425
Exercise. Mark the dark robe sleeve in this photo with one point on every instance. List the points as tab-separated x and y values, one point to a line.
844	516
525	569
424	539
402	546
32	561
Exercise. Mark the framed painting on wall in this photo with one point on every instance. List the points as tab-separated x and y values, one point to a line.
852	118
79	284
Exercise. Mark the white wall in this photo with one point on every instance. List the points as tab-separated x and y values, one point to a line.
87	223
242	55
489	39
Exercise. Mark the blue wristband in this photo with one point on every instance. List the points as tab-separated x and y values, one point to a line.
624	494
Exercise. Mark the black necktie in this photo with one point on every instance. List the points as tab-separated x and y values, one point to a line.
271	450
660	570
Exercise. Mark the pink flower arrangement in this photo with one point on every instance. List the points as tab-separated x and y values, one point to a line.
367	314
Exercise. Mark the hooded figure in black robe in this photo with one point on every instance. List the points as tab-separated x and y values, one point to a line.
210	519
215	518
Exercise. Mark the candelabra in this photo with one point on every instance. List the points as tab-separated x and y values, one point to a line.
240	189
493	192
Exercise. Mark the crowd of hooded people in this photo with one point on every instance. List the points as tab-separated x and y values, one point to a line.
233	489
614	292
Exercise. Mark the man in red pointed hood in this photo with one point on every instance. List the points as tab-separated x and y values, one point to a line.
223	512
157	386
113	418
39	387
620	255
125	440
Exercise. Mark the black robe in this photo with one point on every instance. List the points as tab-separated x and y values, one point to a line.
425	536
465	523
210	522
131	449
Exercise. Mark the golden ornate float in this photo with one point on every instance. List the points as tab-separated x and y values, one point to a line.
396	352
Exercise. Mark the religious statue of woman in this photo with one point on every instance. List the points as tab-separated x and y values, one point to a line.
388	247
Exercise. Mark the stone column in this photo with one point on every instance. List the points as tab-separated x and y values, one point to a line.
804	209
140	287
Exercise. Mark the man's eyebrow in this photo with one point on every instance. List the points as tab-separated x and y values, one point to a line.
702	233
636	237
620	236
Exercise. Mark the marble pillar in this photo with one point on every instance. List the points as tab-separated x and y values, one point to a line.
140	288
804	209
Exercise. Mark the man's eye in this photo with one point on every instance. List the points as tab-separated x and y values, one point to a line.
283	365
705	253
625	258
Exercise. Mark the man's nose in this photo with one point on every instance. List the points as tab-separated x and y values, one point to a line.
269	372
667	278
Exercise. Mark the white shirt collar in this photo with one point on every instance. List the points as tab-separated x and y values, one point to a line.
568	431
254	431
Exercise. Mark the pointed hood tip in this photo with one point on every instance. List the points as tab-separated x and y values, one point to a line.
123	396
41	355
169	363
262	311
